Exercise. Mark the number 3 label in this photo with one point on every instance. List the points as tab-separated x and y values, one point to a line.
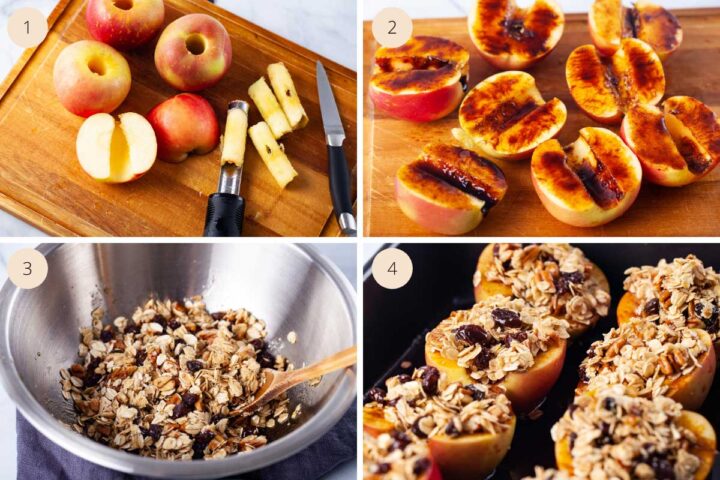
27	268
392	27
392	268
27	27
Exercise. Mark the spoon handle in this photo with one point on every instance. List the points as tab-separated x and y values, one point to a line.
343	359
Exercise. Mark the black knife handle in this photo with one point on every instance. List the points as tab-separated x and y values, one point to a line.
225	215
339	181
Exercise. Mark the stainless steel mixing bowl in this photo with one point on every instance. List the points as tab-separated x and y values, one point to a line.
291	287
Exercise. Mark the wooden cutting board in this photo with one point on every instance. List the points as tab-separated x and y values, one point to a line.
42	183
689	211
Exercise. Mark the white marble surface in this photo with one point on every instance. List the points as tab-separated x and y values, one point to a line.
459	8
342	255
326	27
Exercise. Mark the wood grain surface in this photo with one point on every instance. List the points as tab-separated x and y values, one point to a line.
42	183
689	211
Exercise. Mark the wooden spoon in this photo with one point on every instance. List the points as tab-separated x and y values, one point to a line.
277	382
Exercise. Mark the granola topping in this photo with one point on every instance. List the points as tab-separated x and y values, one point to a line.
395	456
165	383
681	293
497	336
613	435
556	276
644	357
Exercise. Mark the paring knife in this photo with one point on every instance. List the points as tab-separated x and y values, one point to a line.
338	167
226	208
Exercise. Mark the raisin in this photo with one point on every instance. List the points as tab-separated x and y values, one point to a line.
189	399
404	378
475	392
257	344
518	337
661	465
563	282
482	360
200	443
382	468
180	410
218	315
609	403
216	418
429	380
652	307
140	357
416	427
421	466
154	432
506	318
605	438
582	373
160	320
400	441
131	328
92	380
451	430
711	324
472	335
572	438
174	324
266	359
375	394
194	365
106	335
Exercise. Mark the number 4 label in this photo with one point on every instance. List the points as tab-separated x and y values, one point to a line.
392	268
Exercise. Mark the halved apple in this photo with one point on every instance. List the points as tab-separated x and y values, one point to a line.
449	190
524	389
590	182
422	81
506	117
677	145
610	22
485	288
513	38
606	88
116	151
704	448
374	422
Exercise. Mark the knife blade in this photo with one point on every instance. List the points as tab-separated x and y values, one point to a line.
337	163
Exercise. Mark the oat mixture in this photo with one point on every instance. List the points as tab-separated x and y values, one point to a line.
644	357
612	435
164	383
395	456
680	293
556	276
497	336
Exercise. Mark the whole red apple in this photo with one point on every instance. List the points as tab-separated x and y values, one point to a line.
124	24
193	53
91	77
184	124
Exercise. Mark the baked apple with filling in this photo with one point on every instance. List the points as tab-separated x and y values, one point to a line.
421	81
557	276
677	144
590	182
610	21
468	427
652	360
501	341
609	434
605	88
506	117
513	38
448	189
681	293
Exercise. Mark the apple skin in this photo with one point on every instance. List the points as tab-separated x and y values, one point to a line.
124	24
187	71
487	288
524	389
184	124
80	89
418	107
704	449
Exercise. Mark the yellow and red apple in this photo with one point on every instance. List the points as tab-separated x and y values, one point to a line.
606	88
505	116
116	151
184	124
610	22
591	182
124	24
91	77
421	81
449	190
193	53
513	38
676	145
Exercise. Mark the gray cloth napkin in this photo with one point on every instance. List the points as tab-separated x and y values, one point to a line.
40	459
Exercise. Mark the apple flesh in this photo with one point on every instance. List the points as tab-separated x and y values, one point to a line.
91	77
610	22
193	53
124	24
505	116
606	88
513	38
116	152
422	81
588	183
184	124
449	190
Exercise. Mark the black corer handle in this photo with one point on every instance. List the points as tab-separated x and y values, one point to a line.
225	214
340	183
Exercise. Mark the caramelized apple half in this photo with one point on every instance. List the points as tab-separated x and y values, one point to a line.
605	88
513	38
505	116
